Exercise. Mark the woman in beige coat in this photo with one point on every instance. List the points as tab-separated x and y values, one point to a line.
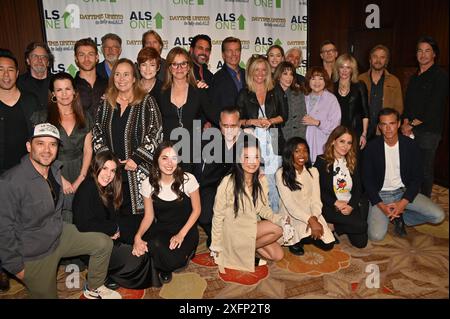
241	201
298	184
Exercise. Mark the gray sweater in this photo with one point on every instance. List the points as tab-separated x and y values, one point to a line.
30	224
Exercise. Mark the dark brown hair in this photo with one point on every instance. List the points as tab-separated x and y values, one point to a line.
317	71
53	115
328	154
155	173
113	191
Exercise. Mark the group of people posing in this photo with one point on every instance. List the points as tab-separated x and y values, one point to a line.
122	162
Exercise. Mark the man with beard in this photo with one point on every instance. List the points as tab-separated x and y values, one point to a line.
88	83
16	108
200	51
384	89
111	49
33	237
39	59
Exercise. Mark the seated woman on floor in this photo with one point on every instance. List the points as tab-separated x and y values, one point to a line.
241	204
298	184
95	209
172	207
340	186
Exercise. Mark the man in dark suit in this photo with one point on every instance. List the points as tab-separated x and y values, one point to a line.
392	175
230	79
218	157
200	50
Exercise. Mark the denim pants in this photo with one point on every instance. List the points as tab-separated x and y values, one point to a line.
421	210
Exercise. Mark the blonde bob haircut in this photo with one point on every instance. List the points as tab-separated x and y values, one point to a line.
340	62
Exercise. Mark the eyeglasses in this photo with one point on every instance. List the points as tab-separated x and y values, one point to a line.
182	65
37	56
328	51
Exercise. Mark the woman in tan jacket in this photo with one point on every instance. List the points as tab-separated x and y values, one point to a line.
238	230
299	187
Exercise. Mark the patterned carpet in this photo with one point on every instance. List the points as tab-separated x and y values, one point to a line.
413	267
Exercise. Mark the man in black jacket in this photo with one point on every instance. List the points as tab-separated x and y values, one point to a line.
392	175
425	103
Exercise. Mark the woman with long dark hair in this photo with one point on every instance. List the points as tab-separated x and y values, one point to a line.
74	125
96	209
298	184
340	186
172	207
243	222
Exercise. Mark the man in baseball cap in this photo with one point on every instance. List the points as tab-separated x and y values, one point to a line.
33	237
46	129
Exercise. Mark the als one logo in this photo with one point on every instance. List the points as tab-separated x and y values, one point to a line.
71	16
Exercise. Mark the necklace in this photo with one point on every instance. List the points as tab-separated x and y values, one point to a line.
125	99
180	116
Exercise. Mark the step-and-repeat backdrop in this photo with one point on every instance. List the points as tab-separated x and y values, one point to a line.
258	23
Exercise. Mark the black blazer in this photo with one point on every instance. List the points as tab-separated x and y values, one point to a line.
223	92
357	107
374	167
101	71
327	194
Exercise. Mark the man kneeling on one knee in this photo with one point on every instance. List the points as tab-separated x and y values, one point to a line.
33	237
392	175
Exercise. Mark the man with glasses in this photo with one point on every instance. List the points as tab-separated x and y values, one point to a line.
33	237
200	50
425	103
111	49
36	80
328	54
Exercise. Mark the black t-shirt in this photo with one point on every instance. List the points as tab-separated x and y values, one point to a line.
118	127
39	88
13	134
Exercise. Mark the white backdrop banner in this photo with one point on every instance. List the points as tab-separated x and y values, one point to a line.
258	23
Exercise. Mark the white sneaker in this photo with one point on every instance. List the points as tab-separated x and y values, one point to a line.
101	293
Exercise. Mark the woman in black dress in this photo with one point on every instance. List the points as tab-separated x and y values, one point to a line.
172	207
96	208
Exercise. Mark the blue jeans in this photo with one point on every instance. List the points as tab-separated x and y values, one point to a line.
421	210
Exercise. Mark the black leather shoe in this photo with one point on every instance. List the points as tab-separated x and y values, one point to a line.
336	238
4	281
399	227
111	284
297	249
165	277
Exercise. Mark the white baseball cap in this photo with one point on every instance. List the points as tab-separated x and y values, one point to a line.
46	129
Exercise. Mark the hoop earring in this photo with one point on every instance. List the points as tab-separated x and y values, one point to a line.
53	99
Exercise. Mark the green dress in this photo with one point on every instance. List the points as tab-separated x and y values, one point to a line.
70	153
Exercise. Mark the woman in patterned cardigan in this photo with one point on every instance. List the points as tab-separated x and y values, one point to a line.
128	123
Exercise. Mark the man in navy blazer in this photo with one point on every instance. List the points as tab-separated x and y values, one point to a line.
392	175
230	79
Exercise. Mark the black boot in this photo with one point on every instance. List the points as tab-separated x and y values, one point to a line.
165	277
4	281
399	226
297	249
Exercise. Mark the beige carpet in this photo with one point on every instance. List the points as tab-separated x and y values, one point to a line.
414	267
